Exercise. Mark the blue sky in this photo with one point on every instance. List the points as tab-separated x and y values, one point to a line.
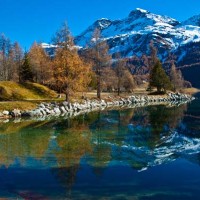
28	21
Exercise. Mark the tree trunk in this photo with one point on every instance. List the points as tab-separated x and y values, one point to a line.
118	87
98	92
158	89
99	88
67	95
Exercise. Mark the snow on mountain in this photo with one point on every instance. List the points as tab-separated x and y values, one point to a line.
131	35
195	21
47	46
170	148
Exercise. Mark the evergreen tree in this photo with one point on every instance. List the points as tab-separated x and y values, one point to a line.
25	70
159	78
153	60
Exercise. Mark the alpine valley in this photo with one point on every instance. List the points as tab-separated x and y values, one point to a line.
132	35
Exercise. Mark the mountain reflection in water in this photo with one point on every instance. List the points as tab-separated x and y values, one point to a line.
68	158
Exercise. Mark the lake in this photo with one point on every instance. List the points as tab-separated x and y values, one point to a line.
138	153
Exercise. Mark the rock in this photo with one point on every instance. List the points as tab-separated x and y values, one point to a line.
41	105
62	109
42	111
26	114
16	113
65	103
5	112
57	111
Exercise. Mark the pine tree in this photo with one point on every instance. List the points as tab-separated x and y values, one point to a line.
25	70
159	78
153	60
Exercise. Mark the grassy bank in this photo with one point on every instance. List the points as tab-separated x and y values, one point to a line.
11	91
23	96
29	95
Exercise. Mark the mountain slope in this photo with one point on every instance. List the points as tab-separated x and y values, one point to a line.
131	37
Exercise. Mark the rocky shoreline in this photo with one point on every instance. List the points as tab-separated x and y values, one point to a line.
65	108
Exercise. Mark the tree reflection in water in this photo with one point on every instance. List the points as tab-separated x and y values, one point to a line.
133	136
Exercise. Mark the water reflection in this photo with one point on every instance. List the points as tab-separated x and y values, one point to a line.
140	138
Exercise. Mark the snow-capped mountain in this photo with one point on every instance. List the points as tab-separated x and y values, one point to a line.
131	37
195	21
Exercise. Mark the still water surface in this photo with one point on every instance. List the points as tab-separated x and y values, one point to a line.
135	153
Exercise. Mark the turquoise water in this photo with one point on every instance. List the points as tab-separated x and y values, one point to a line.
133	153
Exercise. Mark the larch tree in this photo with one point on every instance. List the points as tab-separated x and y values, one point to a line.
128	81
159	78
70	73
5	48
109	79
18	59
176	78
119	68
100	58
40	63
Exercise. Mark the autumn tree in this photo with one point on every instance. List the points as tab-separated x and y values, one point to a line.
5	47
109	79
70	73
153	54
40	63
119	68
18	59
63	37
99	55
159	78
176	78
124	78
26	70
128	81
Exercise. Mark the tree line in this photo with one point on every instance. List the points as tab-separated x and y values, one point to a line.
72	70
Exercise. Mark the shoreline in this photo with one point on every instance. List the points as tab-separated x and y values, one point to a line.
46	109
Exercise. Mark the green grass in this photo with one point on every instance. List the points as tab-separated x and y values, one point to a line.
11	91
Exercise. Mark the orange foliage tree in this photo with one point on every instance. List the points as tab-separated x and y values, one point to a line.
70	73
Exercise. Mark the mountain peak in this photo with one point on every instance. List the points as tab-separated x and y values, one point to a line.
141	10
103	23
138	12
